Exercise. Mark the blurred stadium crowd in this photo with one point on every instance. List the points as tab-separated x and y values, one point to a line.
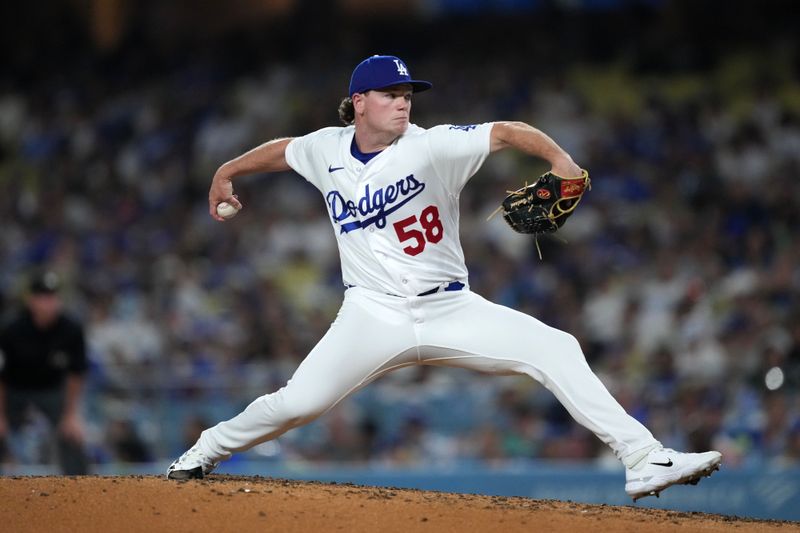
681	274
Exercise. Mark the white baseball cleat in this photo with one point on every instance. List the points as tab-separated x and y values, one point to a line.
663	467
193	464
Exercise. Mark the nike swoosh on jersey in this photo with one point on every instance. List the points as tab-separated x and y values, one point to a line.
331	168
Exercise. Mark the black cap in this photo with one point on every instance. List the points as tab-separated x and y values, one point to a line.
46	282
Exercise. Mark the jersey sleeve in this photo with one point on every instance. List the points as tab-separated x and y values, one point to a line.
457	152
303	153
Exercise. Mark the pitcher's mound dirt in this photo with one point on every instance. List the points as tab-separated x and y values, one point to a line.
230	503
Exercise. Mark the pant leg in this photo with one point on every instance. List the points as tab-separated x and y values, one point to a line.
465	330
71	454
371	336
16	406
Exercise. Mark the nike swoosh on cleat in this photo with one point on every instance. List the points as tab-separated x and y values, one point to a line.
669	463
334	169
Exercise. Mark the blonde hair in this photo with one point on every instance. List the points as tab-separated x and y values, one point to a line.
347	112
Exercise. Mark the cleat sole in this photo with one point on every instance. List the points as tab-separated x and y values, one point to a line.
692	479
186	475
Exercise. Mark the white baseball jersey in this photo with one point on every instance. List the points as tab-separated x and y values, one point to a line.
395	217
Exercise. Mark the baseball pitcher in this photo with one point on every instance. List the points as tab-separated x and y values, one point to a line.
392	192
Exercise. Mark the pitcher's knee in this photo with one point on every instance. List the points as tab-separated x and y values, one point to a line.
301	415
288	410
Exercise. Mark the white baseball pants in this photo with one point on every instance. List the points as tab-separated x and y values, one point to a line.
376	333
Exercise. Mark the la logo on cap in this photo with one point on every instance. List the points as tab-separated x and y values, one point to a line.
401	68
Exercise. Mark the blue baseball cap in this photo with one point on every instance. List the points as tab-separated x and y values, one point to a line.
377	72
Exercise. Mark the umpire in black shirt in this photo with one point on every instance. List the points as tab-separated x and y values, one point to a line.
42	365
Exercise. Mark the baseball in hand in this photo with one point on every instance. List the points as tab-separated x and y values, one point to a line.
226	210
